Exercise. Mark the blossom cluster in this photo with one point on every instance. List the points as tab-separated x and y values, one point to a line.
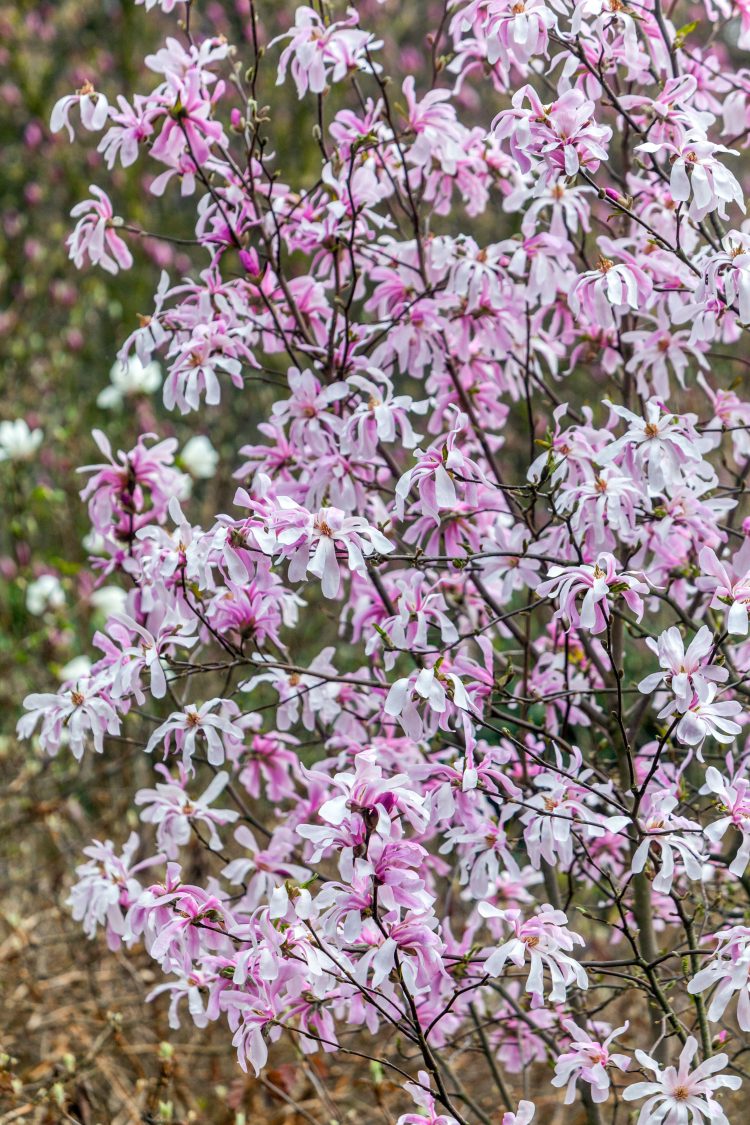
454	692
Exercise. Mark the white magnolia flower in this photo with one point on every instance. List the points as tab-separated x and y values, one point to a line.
127	379
199	457
17	441
108	600
680	1095
94	543
523	1115
44	593
75	669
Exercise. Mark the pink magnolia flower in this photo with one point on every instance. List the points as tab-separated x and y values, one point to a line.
419	606
442	692
370	793
253	1021
508	559
198	360
262	871
663	446
597	582
436	472
677	1092
734	797
730	268
546	942
731	412
426	1103
482	853
670	114
92	105
169	807
612	287
729	586
438	134
603	508
174	60
314	544
380	416
558	809
523	1115
307	412
211	724
107	887
320	54
705	717
270	766
80	712
656	350
202	988
586	1060
564	135
518	1042
130	127
95	236
415	945
667	833
698	172
135	650
684	673
197	919
308	697
188	124
130	490
254	612
727	973
564	449
165	5
518	31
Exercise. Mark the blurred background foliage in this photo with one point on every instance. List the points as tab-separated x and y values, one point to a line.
59	330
